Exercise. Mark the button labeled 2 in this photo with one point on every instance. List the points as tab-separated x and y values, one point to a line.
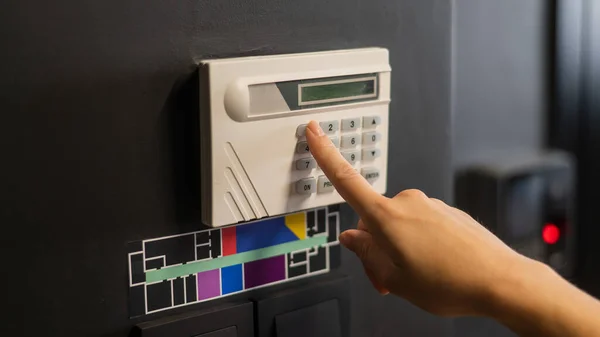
330	127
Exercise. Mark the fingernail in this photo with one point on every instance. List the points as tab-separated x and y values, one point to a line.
315	128
345	239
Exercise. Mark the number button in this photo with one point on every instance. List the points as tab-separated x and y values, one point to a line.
371	122
306	186
351	156
370	154
302	147
350	124
370	174
325	185
335	141
301	130
349	141
370	138
306	164
330	127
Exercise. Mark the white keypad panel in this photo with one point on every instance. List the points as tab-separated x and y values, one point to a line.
357	139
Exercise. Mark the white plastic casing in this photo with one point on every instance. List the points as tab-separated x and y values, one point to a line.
248	146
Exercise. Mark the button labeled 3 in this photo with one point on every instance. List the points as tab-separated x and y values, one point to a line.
306	186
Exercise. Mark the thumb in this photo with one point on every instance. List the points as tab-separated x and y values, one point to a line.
374	261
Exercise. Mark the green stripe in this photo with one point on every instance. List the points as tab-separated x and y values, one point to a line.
230	260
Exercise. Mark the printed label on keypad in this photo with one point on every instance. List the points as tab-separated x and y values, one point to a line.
355	148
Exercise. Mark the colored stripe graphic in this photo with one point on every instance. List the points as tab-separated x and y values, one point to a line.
225	261
261	234
228	240
297	224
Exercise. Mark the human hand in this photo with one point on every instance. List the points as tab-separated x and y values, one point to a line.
419	248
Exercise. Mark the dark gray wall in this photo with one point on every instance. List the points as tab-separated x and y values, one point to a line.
94	139
499	91
500	83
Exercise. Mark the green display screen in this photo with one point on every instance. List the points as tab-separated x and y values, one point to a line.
337	91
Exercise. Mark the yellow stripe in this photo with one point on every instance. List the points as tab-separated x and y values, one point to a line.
297	224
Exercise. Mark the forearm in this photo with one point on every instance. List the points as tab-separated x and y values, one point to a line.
535	301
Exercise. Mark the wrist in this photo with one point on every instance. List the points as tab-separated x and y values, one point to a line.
518	296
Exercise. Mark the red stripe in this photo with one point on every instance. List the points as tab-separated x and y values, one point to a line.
228	241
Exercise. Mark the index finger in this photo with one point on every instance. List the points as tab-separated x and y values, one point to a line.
347	181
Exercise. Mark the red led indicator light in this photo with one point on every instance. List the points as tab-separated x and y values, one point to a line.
550	234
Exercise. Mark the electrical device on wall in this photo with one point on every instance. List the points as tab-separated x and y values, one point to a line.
253	115
527	201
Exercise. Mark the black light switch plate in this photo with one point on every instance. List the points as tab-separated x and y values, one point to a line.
232	320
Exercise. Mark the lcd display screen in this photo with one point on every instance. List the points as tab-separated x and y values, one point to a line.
337	91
